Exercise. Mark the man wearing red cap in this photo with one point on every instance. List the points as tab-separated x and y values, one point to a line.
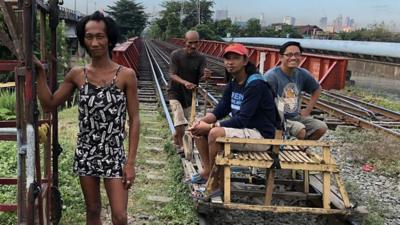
186	68
251	103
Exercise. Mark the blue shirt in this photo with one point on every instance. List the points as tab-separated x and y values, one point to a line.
252	106
289	88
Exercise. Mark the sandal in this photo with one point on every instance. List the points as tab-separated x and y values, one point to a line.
200	195
196	179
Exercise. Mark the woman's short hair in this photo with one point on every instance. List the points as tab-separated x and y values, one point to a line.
112	30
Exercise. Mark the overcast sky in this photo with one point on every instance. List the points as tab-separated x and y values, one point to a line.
364	12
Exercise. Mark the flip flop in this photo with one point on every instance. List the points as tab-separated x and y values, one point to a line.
196	179
200	195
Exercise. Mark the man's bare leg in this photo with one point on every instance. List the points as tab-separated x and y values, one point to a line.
214	148
202	147
178	136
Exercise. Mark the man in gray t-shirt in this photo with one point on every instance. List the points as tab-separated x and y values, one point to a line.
288	81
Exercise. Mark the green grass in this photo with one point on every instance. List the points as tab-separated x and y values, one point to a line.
7	105
365	146
8	168
376	213
180	210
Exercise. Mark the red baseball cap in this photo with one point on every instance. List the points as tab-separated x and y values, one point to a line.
236	48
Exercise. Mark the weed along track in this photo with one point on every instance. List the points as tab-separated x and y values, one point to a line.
158	196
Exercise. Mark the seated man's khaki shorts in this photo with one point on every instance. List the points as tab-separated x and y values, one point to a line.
179	113
294	125
245	133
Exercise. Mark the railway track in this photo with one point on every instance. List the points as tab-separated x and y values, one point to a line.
333	107
210	214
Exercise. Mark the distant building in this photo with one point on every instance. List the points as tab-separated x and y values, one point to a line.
348	24
338	24
262	20
308	31
277	26
289	20
221	15
347	21
323	22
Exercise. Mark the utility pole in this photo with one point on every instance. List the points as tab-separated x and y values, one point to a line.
181	12
76	16
198	12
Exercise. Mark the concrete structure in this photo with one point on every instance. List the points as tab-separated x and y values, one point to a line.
375	75
289	20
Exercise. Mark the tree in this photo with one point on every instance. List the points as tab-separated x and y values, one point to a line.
289	32
253	28
234	30
173	28
130	17
191	12
375	32
154	31
221	27
179	16
205	32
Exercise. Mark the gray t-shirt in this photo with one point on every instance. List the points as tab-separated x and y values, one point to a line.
289	88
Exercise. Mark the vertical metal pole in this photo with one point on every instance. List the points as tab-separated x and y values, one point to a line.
198	12
30	108
56	198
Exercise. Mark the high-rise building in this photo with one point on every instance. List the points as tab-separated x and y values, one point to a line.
262	20
323	22
221	15
347	21
348	24
338	23
289	20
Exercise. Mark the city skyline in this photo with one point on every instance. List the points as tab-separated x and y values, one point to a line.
364	12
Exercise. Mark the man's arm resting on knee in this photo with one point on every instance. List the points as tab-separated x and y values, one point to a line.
313	100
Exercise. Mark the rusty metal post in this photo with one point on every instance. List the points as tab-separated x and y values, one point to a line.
46	116
56	148
31	112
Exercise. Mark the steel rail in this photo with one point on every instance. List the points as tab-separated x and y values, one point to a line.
158	66
160	92
345	101
350	118
376	109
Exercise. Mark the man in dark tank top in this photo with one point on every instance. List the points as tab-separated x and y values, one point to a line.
187	67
